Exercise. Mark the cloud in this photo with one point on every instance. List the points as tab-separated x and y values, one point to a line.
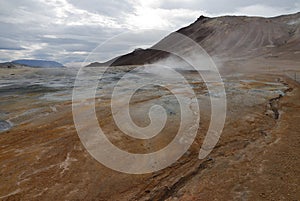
113	9
266	11
8	44
219	7
68	30
125	43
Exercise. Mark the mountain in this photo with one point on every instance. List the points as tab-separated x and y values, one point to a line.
137	57
11	65
38	63
230	37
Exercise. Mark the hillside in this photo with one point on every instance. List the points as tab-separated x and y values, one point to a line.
231	37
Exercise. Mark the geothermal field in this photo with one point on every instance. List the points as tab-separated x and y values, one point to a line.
42	156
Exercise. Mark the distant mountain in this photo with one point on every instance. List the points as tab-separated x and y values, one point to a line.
11	65
230	37
38	63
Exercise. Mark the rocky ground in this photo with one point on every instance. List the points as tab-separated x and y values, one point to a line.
256	158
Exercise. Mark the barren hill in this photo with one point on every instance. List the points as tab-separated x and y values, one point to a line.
233	37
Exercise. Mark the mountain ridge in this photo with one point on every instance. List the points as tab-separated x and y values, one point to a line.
229	37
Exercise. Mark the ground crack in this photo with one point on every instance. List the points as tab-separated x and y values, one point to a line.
274	102
166	192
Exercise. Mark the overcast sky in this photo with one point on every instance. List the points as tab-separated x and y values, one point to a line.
68	30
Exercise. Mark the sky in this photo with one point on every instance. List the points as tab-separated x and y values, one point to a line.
68	30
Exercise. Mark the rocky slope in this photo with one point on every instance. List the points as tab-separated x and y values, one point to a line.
230	37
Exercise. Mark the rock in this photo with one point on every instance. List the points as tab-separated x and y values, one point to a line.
269	113
4	125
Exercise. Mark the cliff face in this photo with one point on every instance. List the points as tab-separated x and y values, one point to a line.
233	37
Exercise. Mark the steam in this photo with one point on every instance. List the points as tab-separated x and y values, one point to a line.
192	62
